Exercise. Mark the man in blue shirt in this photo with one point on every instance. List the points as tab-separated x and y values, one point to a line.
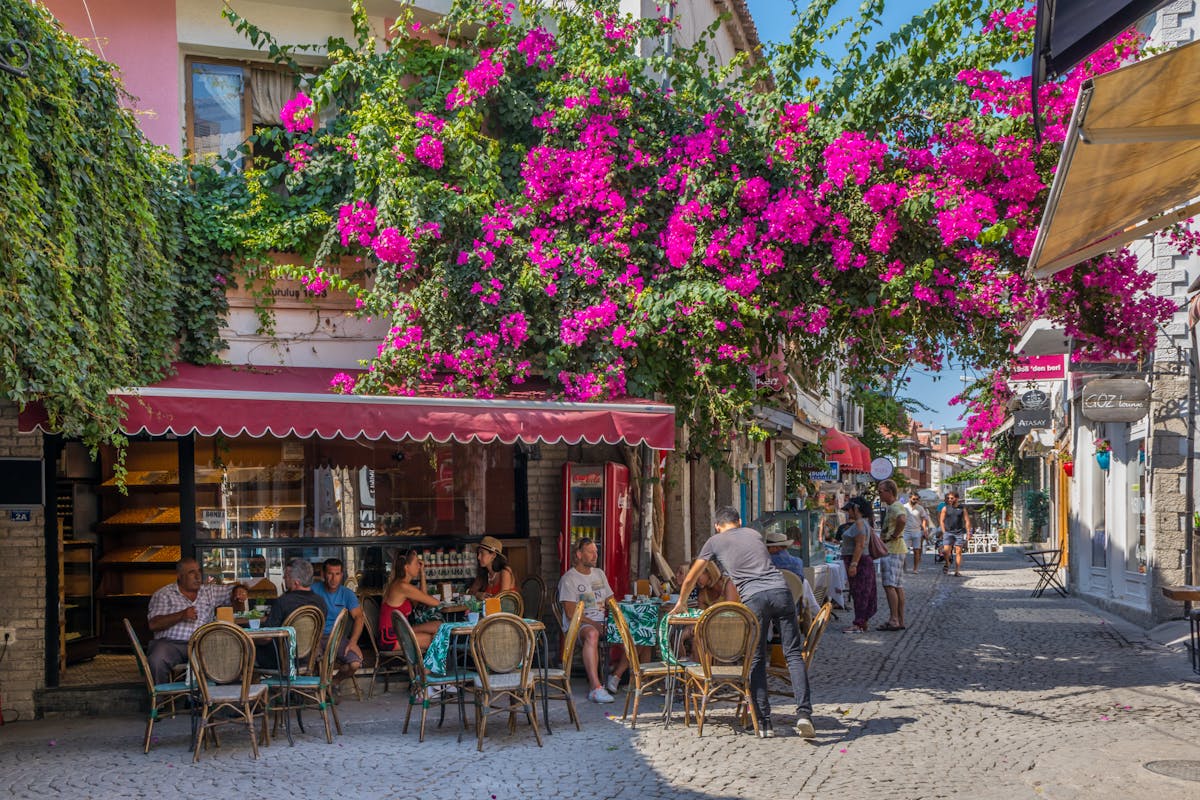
777	545
338	597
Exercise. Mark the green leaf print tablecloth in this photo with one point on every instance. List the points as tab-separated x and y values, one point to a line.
642	617
439	648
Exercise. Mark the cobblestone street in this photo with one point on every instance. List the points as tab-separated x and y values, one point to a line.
989	693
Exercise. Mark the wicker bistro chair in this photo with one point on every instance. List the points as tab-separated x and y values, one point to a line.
502	647
511	602
643	676
558	681
420	682
385	663
309	622
221	656
726	636
162	695
315	691
777	667
533	593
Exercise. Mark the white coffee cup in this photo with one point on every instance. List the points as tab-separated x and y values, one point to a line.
674	598
254	623
628	598
472	617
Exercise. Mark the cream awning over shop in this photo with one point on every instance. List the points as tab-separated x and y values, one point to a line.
1130	164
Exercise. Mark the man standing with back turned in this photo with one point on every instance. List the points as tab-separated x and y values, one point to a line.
742	555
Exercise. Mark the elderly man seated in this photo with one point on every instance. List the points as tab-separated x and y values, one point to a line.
176	611
777	545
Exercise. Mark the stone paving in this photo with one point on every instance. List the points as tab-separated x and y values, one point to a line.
989	693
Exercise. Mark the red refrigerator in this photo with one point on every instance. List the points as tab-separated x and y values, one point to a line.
597	506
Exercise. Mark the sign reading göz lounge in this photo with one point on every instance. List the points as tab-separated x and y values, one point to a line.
1116	399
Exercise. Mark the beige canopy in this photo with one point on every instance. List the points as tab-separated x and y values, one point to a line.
1130	164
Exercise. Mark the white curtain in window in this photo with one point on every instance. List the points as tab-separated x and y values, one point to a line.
270	89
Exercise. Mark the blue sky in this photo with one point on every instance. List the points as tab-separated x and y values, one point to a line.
774	19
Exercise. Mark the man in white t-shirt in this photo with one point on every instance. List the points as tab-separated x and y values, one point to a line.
916	529
586	583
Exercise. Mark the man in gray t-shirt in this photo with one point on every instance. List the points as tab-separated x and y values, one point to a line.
742	555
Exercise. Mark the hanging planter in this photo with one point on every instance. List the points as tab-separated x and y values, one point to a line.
1103	453
1068	468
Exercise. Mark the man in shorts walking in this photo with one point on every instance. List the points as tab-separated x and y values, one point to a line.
891	567
956	531
916	529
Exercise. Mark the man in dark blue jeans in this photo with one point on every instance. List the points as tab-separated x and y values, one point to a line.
742	555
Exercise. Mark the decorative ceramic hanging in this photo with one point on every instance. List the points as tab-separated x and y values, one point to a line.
1068	468
1103	459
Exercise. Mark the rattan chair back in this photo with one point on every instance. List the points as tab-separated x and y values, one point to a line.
221	654
309	622
412	650
795	585
618	617
370	612
511	602
502	644
341	625
571	638
727	634
140	654
815	632
533	593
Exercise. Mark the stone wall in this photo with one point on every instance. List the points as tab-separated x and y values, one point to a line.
22	574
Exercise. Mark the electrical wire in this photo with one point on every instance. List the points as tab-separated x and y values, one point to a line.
95	36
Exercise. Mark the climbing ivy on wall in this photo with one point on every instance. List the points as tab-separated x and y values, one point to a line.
111	268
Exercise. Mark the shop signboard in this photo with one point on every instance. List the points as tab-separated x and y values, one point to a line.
1035	399
1038	368
1031	419
1116	399
831	474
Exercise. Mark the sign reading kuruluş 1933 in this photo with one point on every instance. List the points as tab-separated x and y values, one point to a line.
1116	399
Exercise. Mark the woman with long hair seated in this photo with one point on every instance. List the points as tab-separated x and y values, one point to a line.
495	576
414	601
711	588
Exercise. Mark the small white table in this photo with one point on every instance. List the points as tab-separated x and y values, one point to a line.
839	583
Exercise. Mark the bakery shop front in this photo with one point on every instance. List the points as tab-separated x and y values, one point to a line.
246	467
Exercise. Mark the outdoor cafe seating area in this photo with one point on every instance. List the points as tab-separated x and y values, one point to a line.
479	665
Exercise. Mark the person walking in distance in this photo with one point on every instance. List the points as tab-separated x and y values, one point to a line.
891	566
956	532
916	529
744	558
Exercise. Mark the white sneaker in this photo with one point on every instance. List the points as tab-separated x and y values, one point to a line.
804	728
599	695
612	684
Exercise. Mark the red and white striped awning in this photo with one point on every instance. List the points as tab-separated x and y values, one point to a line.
297	401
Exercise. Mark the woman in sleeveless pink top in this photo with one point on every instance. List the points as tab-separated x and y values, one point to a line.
402	595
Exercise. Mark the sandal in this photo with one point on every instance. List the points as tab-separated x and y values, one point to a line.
854	629
887	626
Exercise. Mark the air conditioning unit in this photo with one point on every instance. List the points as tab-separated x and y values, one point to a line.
852	418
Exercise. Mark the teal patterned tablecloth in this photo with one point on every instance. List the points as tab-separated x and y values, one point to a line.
642	616
436	655
664	640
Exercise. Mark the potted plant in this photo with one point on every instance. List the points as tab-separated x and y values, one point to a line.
1103	450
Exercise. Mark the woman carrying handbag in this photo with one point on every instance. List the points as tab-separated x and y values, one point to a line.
860	567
